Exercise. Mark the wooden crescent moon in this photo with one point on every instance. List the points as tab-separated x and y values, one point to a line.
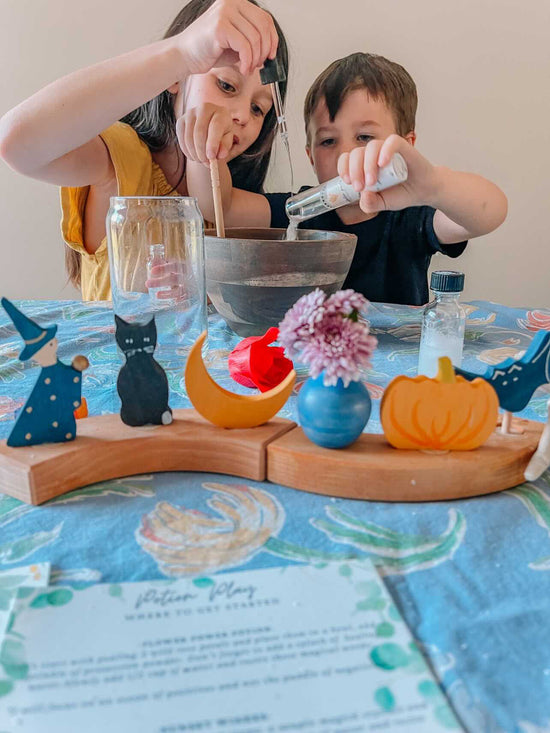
227	409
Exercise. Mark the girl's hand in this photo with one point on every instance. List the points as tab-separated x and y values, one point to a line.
230	31
205	133
171	276
360	168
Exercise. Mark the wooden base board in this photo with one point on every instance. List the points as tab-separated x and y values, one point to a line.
372	469
106	448
278	451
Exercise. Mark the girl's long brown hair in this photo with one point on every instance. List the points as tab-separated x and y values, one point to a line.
155	123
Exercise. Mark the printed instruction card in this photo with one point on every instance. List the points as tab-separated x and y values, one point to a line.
302	648
11	580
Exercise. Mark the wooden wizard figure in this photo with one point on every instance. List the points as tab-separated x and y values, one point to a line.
48	415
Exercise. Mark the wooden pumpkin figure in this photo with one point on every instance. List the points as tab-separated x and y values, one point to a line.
445	413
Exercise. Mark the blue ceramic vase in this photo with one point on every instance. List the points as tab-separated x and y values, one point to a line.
333	417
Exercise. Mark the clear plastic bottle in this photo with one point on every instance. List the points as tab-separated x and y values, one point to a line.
443	323
156	257
335	193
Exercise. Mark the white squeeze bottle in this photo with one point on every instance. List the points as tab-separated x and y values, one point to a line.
443	323
335	193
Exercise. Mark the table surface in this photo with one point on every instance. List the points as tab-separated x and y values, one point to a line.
471	577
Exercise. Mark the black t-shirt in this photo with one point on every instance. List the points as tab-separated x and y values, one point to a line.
393	252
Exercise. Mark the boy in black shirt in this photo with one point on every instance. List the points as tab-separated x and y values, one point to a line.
358	113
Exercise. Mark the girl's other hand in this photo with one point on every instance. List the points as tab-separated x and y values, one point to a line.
205	133
229	32
171	277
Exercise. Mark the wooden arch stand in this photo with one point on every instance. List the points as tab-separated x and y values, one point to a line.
278	451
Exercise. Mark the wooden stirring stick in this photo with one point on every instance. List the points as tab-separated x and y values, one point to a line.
216	191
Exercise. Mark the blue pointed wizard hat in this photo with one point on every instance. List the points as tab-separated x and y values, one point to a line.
35	336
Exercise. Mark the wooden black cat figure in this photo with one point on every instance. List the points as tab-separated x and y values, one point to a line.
142	384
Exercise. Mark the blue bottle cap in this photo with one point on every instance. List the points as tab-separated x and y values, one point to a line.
447	281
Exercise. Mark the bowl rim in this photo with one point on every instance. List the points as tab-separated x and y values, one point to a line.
239	234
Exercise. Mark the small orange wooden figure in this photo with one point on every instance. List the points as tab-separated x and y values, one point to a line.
81	411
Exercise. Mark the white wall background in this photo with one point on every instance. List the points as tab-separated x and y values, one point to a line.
482	68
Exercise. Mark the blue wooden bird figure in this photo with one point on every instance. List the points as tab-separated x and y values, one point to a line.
48	414
515	380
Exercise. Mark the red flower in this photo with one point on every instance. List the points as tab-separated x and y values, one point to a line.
253	363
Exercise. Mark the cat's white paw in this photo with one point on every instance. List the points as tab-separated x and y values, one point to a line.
166	417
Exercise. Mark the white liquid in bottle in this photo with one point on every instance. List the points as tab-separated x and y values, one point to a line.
434	345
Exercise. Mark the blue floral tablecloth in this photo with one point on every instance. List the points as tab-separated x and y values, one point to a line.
471	577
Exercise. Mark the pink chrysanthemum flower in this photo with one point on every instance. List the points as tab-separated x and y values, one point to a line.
344	302
340	348
299	323
326	335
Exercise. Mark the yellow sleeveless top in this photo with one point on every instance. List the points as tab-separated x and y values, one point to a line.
137	175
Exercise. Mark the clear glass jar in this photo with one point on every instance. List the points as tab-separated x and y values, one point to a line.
443	323
156	256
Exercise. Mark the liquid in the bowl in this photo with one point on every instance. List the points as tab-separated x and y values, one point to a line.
290	280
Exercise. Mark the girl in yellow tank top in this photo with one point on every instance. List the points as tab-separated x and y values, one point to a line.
118	128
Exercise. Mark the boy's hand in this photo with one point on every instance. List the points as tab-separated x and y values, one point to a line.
360	167
230	31
205	133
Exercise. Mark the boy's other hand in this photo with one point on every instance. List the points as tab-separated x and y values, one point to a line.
230	31
205	133
360	167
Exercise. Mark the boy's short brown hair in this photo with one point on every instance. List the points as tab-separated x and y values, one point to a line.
382	79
